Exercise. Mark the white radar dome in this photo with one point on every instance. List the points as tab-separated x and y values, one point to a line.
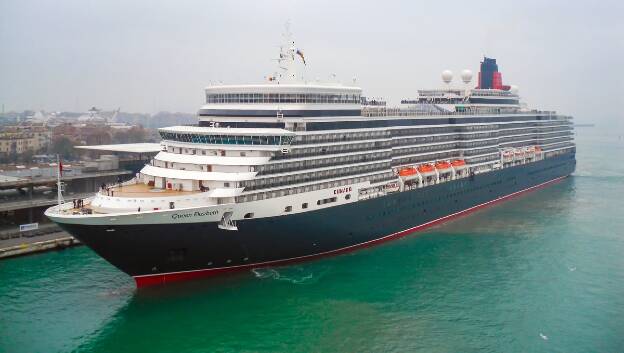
447	76
513	89
466	76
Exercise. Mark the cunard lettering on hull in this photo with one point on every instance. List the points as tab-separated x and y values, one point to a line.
343	190
289	169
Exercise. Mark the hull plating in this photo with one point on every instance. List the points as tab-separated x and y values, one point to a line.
166	252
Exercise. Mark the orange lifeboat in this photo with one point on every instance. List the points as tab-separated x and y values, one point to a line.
407	171
443	165
458	163
425	168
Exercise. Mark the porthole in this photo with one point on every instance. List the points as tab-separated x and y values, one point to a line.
249	215
347	196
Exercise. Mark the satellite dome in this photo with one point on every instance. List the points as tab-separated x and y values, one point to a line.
447	76
513	89
466	76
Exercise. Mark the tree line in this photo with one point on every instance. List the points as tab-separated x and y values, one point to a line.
63	143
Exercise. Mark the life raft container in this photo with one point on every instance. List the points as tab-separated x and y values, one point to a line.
425	168
443	165
407	171
458	163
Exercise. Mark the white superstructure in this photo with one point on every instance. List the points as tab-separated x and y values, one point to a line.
289	146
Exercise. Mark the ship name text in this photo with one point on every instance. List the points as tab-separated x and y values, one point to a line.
194	214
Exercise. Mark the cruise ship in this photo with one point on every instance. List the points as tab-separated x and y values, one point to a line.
290	170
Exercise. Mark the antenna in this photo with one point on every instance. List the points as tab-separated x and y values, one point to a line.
447	77
286	61
59	185
466	76
287	34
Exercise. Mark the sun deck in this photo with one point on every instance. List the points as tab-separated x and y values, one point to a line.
143	190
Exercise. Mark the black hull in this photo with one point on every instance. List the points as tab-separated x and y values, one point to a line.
163	252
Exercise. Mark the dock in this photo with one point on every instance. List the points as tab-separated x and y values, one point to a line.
13	247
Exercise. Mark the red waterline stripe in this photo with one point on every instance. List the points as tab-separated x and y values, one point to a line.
162	278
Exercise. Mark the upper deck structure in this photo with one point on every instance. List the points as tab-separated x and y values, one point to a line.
299	169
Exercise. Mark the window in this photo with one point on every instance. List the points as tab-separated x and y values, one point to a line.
304	205
282	98
243	154
347	196
288	209
226	184
324	201
249	215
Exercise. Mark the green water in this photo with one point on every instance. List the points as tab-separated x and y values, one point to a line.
541	273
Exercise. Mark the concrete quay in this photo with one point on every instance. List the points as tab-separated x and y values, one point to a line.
13	247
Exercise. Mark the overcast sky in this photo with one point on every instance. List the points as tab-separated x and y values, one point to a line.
147	56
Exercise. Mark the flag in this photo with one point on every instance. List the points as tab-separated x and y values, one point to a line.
300	53
60	168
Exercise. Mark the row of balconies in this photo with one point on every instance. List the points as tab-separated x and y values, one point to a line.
320	163
312	176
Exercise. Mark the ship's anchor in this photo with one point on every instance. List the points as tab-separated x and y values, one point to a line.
227	223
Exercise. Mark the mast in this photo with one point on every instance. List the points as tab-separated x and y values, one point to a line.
288	57
59	193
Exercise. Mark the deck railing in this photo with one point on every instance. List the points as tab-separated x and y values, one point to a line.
377	112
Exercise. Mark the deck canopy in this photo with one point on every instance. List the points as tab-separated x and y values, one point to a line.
227	136
125	147
218	160
195	175
206	130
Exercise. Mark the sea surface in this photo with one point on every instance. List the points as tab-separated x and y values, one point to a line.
543	272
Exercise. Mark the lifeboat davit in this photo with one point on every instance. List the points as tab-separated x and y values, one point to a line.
407	171
442	165
458	163
425	168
